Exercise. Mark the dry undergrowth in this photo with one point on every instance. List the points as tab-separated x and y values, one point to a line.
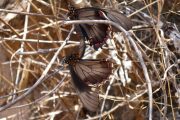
31	33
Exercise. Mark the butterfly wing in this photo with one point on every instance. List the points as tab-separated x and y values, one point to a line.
88	13
88	71
97	34
93	71
90	99
119	18
82	47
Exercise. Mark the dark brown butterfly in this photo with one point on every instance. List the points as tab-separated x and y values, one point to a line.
85	72
97	34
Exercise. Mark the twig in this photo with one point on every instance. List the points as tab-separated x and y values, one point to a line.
27	13
44	96
36	41
21	49
117	106
107	91
41	79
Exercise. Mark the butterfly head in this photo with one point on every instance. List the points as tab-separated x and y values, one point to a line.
72	14
71	59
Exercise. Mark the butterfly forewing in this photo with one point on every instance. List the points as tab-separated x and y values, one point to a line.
119	18
87	13
92	71
79	68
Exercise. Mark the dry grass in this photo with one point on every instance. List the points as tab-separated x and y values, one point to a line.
35	36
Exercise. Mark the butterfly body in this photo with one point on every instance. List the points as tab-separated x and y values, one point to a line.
72	59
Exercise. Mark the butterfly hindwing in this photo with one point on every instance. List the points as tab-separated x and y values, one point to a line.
93	71
89	98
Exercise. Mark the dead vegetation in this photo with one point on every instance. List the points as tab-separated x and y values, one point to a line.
35	36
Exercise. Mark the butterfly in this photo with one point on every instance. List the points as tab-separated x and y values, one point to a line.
97	34
85	72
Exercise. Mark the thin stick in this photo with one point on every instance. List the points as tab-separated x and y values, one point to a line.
27	13
41	79
21	50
